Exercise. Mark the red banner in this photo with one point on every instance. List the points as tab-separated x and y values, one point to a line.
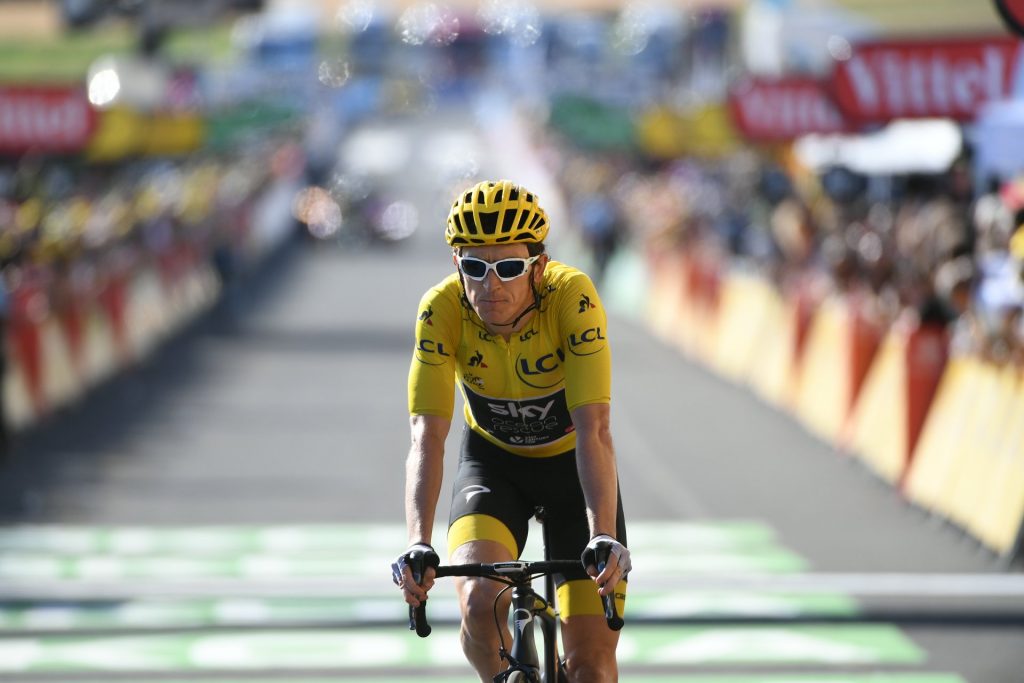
44	119
950	78
779	110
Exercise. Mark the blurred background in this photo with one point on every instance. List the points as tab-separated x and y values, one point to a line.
805	216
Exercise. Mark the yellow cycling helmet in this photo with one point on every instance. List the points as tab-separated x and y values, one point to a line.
496	213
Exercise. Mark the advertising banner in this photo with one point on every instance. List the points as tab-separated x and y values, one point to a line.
924	79
704	131
781	110
44	119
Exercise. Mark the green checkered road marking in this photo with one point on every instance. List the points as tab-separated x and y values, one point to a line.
384	608
362	648
219	541
338	551
692	604
633	678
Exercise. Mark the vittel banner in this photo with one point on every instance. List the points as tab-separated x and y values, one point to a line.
780	110
44	119
951	78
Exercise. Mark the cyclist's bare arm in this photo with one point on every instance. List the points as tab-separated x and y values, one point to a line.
595	459
423	472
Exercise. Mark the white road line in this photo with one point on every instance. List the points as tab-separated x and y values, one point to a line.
890	584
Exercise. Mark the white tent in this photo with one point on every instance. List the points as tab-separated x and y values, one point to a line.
907	146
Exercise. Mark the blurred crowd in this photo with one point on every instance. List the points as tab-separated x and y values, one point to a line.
67	231
928	248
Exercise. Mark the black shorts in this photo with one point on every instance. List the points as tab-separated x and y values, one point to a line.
496	493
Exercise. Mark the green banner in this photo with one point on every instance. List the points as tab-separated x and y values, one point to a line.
592	124
234	126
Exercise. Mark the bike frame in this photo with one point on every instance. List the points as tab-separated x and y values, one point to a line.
527	606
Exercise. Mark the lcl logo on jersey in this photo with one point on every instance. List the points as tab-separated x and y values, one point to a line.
428	350
534	372
425	316
586	342
431	346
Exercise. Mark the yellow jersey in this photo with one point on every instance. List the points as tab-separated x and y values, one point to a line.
519	393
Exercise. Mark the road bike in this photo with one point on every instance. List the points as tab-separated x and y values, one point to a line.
528	608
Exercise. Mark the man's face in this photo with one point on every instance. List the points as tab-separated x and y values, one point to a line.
498	302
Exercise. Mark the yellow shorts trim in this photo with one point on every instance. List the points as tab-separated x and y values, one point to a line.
481	528
576	598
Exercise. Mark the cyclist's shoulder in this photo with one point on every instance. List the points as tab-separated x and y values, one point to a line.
565	284
442	302
563	275
447	291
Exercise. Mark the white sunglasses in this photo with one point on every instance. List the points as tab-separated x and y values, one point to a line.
506	269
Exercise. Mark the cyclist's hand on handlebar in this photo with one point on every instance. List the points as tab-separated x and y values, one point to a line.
421	559
617	566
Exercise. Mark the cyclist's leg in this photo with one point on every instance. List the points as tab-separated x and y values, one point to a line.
488	523
588	644
479	634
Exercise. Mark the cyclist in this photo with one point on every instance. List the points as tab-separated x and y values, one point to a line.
526	337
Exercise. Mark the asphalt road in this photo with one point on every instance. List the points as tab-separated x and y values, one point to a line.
795	564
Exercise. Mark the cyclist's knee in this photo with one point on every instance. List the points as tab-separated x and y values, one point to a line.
591	665
476	599
590	650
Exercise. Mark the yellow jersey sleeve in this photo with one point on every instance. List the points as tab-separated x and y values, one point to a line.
583	327
433	369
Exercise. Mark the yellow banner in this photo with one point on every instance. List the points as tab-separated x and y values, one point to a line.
119	132
704	131
168	134
122	132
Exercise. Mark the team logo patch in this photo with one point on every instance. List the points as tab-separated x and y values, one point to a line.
425	316
474	490
587	342
431	352
586	304
522	422
477	361
539	373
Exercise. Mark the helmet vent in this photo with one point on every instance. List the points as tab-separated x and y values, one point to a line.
509	222
488	222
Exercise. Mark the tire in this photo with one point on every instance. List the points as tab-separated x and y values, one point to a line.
519	677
